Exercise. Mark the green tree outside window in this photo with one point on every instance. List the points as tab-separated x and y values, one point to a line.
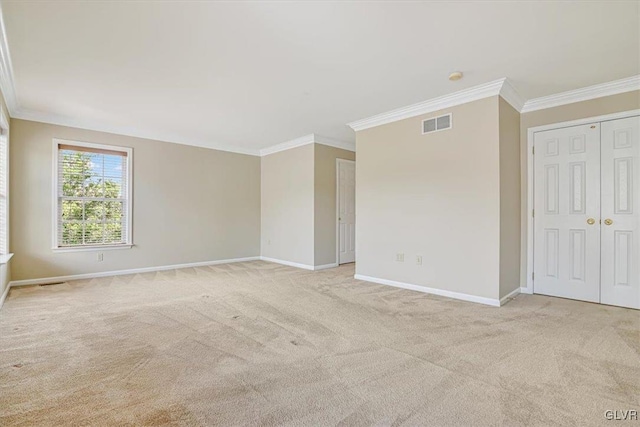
86	176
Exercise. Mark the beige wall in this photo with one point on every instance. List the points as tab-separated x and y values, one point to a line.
288	205
325	201
579	110
190	204
445	196
435	195
509	126
299	204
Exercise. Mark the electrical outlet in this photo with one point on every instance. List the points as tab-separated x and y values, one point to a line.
100	257
400	257
418	259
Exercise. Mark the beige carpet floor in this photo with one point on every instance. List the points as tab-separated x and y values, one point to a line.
262	344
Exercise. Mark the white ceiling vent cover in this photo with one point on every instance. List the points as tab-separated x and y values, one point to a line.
436	124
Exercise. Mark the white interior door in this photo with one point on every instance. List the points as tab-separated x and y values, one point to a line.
346	211
567	212
620	282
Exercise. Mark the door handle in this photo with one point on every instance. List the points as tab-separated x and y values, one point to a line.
608	221
591	221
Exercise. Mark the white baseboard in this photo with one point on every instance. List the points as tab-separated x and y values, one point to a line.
510	295
4	294
288	263
130	271
299	265
434	291
325	266
525	290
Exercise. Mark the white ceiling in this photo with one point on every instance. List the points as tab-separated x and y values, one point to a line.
248	75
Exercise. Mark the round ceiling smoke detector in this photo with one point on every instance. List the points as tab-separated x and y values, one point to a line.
456	75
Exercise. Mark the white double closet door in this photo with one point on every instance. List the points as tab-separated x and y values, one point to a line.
586	218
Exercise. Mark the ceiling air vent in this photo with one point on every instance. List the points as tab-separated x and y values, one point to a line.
436	124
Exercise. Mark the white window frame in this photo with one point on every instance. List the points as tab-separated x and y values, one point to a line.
5	256
56	199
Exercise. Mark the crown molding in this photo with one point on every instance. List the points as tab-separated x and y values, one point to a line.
297	142
583	94
127	131
506	90
446	101
58	120
501	87
511	95
323	140
305	140
6	71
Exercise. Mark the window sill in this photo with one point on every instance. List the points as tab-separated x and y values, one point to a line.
92	248
4	259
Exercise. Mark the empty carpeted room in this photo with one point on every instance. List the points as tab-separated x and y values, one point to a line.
319	213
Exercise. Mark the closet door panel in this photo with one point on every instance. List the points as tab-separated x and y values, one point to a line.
620	276
567	208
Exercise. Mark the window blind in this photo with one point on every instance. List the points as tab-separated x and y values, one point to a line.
93	205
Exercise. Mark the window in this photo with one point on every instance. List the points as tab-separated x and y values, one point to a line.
92	196
4	188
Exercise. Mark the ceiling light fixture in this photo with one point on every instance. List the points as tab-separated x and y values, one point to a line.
456	75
